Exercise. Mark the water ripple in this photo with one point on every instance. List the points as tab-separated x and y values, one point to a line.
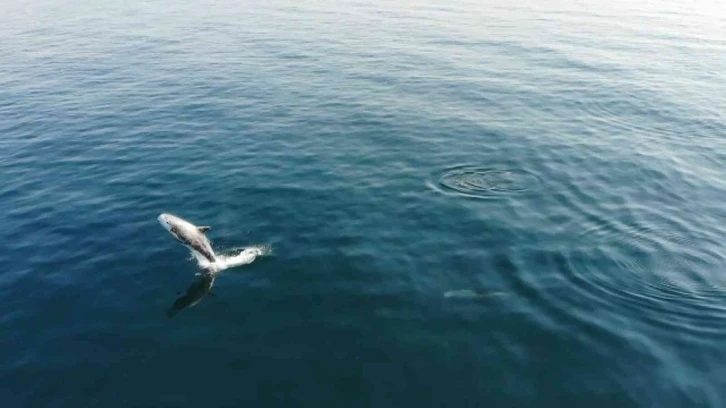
568	173
481	182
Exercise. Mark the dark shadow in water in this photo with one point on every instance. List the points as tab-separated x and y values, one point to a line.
472	294
194	293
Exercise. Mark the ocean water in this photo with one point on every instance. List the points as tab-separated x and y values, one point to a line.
463	203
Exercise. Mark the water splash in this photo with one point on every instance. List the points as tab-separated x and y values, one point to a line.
243	257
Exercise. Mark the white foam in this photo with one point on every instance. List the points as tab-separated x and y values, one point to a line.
244	257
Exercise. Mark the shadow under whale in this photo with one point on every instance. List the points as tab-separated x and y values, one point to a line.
193	295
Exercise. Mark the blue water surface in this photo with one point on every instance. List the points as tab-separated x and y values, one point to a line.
467	203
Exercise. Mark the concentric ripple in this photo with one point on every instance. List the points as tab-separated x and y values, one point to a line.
648	112
479	182
651	266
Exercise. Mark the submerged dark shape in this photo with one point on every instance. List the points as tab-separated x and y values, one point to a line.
194	293
471	294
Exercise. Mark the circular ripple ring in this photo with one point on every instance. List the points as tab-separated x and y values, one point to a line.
486	182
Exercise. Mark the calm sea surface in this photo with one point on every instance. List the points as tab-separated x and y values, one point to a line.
464	203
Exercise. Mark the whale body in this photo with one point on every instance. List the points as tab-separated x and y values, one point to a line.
189	234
